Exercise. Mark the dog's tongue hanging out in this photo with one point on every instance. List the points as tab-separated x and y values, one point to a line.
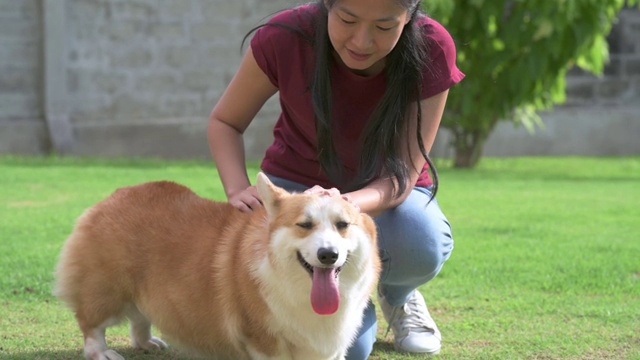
325	296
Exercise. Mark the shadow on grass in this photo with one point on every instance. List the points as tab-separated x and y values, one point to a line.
382	350
127	352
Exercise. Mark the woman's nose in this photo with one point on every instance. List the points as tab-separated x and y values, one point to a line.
362	38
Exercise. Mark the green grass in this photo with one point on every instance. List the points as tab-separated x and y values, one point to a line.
546	264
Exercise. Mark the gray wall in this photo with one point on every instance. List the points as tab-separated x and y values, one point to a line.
21	107
20	59
121	77
139	77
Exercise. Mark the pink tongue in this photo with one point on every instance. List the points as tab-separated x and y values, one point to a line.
325	296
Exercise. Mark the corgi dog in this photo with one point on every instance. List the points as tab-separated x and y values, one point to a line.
288	281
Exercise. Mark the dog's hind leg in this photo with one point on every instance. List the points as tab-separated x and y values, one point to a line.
141	331
95	345
94	321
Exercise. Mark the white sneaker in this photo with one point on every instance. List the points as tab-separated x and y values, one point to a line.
413	328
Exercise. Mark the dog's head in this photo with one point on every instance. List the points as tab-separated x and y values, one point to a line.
323	239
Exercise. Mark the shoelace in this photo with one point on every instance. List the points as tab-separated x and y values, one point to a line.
413	317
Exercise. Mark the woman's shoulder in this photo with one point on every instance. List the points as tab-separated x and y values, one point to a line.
442	71
282	47
436	33
301	19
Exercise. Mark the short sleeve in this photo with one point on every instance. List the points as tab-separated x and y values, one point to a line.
263	46
276	45
442	71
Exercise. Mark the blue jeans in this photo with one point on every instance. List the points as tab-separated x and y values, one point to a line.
415	240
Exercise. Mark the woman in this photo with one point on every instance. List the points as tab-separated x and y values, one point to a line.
363	86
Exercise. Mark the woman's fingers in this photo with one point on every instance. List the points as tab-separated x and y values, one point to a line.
247	200
319	190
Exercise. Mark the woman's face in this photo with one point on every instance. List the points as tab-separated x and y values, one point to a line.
363	32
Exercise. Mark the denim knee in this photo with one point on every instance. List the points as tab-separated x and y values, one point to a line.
415	240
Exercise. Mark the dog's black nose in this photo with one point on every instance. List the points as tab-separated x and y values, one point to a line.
328	256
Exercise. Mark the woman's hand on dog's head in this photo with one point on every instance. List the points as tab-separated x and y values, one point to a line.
319	190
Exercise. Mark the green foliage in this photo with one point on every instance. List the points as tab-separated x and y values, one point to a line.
516	54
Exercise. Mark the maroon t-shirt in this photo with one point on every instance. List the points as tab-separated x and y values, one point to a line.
287	58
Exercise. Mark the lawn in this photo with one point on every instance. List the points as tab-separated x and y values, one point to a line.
546	264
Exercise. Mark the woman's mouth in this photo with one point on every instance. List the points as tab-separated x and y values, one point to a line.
357	56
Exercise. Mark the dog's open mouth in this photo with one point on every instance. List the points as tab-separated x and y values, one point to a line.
309	268
325	289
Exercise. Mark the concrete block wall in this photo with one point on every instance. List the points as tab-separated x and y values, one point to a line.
22	129
20	60
143	75
620	83
135	60
139	78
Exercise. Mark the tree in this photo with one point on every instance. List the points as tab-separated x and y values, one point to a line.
516	54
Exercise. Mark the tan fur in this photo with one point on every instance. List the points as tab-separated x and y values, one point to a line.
211	278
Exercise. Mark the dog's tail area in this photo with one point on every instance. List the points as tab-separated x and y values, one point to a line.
83	271
96	295
68	272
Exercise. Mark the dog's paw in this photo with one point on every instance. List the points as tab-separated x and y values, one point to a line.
101	354
152	344
108	355
159	344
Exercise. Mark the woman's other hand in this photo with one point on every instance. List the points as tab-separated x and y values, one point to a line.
247	200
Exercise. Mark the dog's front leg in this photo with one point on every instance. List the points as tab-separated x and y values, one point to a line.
282	353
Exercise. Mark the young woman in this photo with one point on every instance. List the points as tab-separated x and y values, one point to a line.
362	86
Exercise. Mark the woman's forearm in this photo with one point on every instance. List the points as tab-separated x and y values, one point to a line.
378	197
227	147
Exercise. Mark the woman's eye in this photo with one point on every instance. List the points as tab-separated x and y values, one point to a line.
384	28
347	21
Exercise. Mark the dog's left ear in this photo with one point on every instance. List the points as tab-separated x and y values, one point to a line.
269	193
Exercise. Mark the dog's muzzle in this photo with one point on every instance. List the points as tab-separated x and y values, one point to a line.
328	262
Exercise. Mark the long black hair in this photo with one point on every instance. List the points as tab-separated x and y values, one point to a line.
388	128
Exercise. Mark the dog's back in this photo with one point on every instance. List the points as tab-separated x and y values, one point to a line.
216	280
144	248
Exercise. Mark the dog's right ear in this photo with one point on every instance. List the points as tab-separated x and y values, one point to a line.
269	193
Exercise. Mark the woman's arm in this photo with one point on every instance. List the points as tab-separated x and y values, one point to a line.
249	89
378	196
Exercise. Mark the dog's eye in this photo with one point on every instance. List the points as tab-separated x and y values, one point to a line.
341	225
305	225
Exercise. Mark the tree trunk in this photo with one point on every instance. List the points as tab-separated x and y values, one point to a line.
468	148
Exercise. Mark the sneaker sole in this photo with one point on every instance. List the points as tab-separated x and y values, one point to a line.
431	353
